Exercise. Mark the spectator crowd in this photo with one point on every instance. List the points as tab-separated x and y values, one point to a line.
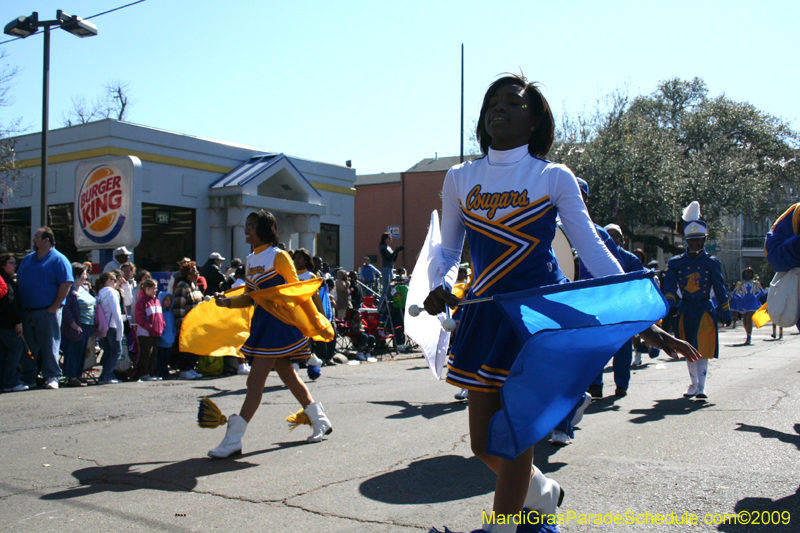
55	322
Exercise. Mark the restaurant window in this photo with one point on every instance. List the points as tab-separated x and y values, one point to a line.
15	231
60	219
328	244
168	235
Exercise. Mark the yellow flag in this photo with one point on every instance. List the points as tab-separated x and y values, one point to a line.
292	304
761	316
212	330
460	290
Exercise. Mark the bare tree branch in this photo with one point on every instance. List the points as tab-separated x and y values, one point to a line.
115	103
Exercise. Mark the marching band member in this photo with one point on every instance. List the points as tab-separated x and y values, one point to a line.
506	205
747	292
272	343
696	273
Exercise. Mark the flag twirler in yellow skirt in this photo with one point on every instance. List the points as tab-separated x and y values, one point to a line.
218	331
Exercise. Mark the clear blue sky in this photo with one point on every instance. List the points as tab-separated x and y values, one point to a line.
379	82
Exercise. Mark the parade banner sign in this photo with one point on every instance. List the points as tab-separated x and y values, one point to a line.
108	206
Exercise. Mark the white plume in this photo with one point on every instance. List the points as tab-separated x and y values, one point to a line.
692	212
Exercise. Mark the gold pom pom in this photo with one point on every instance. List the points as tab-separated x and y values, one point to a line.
297	419
209	416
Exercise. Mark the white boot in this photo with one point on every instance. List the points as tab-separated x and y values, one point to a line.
322	426
692	390
702	372
232	443
544	494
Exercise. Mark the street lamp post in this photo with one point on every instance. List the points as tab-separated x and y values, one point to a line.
25	26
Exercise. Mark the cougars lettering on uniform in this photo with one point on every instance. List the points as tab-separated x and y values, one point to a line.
491	202
255	270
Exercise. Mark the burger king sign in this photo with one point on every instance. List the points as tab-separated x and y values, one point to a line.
107	203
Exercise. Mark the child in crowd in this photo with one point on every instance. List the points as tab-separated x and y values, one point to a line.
150	320
239	277
141	275
363	341
167	338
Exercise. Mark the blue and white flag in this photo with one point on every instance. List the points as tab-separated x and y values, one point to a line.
570	332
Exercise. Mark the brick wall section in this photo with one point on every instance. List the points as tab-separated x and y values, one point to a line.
376	208
407	204
423	195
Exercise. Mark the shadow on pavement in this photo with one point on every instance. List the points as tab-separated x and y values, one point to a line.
767	433
172	477
542	453
426	410
662	408
763	514
603	405
435	480
220	393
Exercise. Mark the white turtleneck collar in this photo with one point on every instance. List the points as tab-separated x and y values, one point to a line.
508	157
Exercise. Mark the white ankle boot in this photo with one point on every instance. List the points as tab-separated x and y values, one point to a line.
321	423
544	494
232	443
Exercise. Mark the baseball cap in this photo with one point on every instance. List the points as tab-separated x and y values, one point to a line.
122	251
584	185
215	255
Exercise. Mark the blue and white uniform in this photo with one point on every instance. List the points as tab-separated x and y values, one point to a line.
695	277
747	293
269	266
506	204
782	245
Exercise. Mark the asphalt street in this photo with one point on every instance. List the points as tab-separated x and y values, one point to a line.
131	457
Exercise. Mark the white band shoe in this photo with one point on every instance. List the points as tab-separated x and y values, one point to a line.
320	422
232	443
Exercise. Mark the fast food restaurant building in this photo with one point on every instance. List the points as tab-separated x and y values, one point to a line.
189	196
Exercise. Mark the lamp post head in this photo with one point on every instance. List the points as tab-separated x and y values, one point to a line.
76	25
22	26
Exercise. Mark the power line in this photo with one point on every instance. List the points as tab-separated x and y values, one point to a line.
84	18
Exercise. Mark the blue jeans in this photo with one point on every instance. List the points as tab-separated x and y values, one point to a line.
566	425
162	363
622	367
10	353
386	277
112	349
42	331
75	352
364	341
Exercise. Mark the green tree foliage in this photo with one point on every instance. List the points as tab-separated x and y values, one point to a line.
647	157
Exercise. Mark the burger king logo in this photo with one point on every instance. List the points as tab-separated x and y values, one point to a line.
100	204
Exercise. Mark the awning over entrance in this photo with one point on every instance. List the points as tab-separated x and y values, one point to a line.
271	182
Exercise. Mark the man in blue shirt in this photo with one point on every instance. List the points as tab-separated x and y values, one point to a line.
368	273
44	278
